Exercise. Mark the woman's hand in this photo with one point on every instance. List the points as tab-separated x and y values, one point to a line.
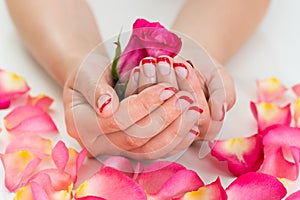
158	121
213	92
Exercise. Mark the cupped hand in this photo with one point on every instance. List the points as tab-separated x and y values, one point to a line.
147	125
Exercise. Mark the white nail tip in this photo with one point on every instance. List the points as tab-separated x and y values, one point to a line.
164	68
149	70
181	72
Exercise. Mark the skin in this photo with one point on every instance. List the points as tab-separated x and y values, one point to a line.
50	28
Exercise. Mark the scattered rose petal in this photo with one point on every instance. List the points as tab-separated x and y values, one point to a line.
213	191
30	119
267	114
294	196
242	154
18	166
280	142
37	145
297	113
296	89
156	174
112	184
119	163
68	159
165	180
177	185
11	86
269	89
258	186
42	101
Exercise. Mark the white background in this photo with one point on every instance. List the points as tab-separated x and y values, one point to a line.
274	50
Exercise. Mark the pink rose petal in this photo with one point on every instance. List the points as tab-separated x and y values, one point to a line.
267	114
269	89
294	196
156	174
18	167
121	164
178	184
60	155
75	161
90	198
111	184
296	89
280	142
297	113
42	101
38	192
41	147
258	186
242	154
28	118
11	86
213	191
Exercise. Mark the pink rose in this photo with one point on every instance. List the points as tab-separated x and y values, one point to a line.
147	39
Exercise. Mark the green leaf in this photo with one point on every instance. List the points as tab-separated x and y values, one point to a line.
118	51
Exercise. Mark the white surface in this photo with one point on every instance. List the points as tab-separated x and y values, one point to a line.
272	51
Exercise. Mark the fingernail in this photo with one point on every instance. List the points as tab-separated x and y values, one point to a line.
136	74
194	112
195	130
163	65
183	102
103	102
149	66
167	93
181	70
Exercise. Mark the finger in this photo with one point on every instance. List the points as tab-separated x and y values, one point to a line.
161	117
136	107
92	80
147	73
81	122
133	82
188	80
165	72
221	93
186	142
172	136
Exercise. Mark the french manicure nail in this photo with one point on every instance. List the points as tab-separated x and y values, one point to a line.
195	130
163	65
167	93
190	136
183	102
181	70
103	101
194	112
149	66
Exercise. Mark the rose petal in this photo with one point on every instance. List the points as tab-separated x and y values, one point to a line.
90	198
60	155
41	147
75	161
294	196
269	89
213	191
28	118
121	164
278	142
38	192
24	193
181	182
156	174
18	166
258	186
42	101
11	86
111	184
296	89
297	113
267	114
242	154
